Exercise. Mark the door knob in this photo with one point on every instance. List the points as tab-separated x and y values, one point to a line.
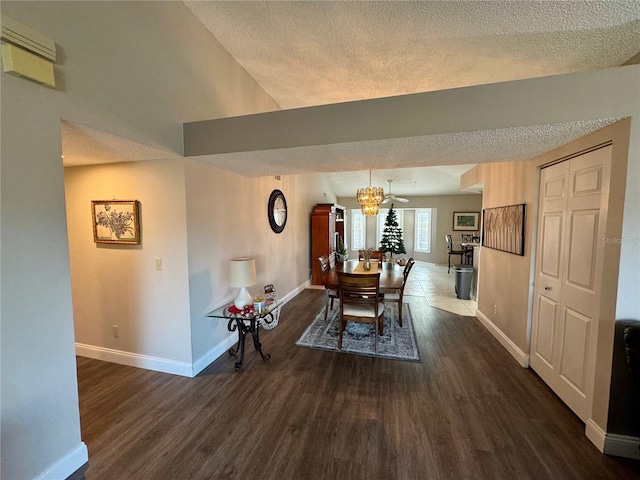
547	288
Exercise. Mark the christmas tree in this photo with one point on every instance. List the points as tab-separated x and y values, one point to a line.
392	235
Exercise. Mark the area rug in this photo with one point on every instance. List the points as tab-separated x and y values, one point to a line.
358	338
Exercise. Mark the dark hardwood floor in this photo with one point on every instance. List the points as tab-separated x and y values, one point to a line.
467	411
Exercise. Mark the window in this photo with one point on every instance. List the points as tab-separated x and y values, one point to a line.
358	230
423	230
382	218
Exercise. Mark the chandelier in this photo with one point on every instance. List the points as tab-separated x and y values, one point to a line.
369	198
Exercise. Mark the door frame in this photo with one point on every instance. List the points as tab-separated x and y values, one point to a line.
616	135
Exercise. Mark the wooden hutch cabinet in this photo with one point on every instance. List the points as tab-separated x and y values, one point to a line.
327	229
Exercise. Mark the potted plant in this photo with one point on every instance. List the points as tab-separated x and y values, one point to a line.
342	254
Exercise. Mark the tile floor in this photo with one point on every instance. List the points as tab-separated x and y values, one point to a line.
438	287
432	282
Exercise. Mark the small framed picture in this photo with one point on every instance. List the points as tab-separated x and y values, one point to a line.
116	221
466	221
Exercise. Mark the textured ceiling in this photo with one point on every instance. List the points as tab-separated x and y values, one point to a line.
399	159
315	52
82	145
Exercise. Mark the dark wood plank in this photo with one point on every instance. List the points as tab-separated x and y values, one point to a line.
466	411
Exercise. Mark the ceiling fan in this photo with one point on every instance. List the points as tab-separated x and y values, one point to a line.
391	197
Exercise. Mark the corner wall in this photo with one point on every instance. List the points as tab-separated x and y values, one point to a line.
227	218
118	284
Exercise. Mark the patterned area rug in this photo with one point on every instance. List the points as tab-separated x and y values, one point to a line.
358	338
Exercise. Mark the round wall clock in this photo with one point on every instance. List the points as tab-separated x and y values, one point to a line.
277	211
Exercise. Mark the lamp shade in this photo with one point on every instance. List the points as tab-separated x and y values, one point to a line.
243	272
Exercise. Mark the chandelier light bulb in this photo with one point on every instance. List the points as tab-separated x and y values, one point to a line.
370	198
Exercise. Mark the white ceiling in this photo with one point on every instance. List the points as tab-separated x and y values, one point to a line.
307	53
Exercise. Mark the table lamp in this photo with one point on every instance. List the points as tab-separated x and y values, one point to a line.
243	275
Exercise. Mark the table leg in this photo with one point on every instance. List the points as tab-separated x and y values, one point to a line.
242	331
256	342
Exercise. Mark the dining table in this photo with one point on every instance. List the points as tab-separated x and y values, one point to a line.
391	274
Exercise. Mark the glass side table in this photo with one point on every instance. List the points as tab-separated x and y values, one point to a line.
246	322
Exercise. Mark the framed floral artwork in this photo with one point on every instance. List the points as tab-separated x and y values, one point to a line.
466	221
116	221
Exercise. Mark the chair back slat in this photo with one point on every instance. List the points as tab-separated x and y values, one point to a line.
359	289
449	243
324	264
332	260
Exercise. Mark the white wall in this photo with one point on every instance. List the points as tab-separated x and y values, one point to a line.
628	304
195	218
227	218
133	69
40	419
118	284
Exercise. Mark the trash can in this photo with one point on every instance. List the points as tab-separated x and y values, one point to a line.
464	275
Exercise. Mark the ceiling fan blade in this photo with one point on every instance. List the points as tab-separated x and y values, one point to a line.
386	200
403	200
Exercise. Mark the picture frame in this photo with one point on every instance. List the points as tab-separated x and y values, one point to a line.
466	221
116	221
503	228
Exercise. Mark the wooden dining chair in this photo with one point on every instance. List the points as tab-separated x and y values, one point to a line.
375	255
399	293
329	293
359	302
451	251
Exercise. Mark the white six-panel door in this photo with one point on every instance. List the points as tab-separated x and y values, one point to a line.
571	220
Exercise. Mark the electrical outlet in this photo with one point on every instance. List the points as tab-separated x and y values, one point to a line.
116	331
158	263
495	309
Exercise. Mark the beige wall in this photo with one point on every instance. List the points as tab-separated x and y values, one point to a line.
442	222
506	279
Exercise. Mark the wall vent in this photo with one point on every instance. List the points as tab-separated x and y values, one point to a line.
28	39
21	63
278	178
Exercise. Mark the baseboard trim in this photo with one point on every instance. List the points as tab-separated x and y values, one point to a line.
521	357
135	360
622	446
294	293
67	464
164	365
213	354
595	434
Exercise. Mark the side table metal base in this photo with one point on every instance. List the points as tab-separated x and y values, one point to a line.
243	328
